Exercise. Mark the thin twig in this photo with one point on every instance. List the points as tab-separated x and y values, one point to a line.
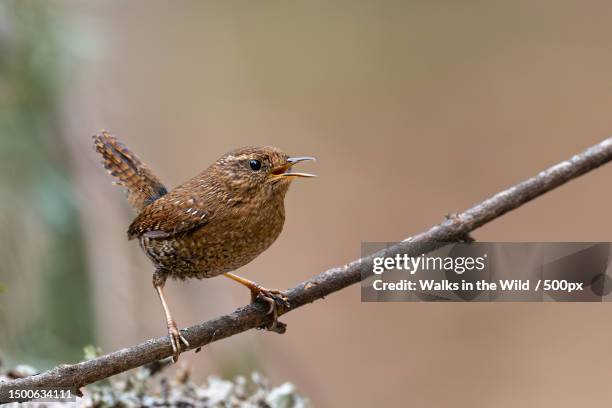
453	228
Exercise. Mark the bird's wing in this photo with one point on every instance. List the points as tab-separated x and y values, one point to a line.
142	185
172	214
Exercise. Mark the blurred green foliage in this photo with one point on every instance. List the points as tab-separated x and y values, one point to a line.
45	310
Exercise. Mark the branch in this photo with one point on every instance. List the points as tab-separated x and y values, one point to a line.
453	228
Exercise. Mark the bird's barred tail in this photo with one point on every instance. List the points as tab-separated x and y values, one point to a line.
142	185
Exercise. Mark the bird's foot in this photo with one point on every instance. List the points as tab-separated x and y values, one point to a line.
273	298
175	340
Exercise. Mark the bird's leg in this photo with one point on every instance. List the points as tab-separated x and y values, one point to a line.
159	280
272	296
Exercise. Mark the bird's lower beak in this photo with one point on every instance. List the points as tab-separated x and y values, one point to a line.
285	169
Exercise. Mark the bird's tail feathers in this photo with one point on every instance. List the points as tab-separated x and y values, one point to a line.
143	187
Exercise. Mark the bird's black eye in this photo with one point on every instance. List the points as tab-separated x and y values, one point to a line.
255	165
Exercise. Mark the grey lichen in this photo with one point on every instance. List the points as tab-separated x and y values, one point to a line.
140	389
147	387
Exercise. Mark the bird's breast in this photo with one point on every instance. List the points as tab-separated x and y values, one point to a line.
225	244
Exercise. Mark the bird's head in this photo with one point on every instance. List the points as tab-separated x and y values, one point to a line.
259	170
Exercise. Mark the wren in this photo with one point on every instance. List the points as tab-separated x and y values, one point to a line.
211	225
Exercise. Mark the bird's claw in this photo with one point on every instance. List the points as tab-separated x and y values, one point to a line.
175	340
274	298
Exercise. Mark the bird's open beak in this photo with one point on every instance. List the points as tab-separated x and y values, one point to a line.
285	169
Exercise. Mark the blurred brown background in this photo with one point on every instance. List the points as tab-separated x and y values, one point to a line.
414	109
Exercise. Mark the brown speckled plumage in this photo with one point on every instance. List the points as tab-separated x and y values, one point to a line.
214	223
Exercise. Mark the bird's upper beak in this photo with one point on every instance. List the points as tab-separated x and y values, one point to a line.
285	169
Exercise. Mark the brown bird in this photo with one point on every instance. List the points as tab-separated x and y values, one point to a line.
211	225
